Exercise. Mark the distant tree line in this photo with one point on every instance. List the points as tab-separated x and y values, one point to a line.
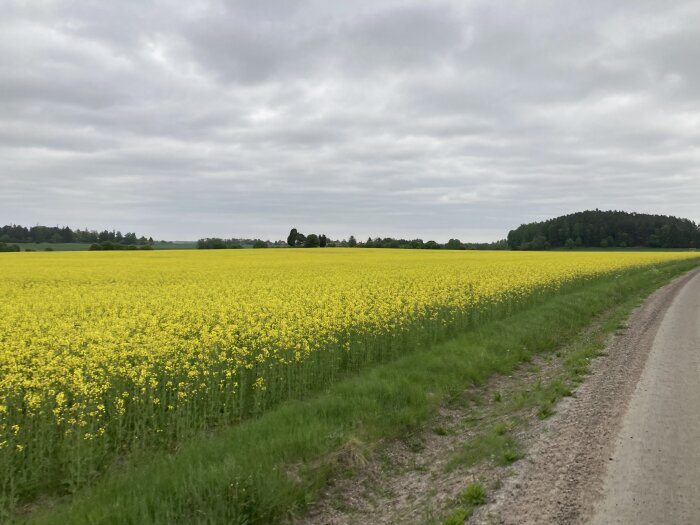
419	244
606	229
55	234
298	239
216	243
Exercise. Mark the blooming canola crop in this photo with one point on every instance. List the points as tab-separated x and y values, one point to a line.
101	352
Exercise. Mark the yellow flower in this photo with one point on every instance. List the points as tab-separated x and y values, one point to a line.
107	345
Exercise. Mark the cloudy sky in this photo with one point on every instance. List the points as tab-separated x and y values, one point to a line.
430	119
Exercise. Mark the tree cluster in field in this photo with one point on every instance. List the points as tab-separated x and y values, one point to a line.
606	229
297	239
216	243
55	234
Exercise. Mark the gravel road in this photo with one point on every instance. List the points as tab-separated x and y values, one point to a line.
626	447
654	476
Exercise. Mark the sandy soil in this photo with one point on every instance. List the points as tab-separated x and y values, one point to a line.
626	448
407	481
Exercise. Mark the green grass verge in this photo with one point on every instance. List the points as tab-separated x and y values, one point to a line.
265	470
53	246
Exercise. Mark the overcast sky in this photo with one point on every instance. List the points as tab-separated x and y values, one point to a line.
430	119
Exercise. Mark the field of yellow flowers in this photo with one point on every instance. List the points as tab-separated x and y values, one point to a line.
105	353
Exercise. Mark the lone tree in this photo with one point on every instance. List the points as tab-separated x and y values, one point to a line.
292	238
352	242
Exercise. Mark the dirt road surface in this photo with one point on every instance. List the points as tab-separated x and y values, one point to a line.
626	448
654	476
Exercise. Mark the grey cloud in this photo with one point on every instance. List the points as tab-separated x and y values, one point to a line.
441	119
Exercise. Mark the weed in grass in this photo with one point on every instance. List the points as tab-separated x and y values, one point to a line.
559	389
500	429
474	495
511	454
497	397
441	431
546	410
497	444
458	516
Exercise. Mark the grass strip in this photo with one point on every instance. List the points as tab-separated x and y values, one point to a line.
268	469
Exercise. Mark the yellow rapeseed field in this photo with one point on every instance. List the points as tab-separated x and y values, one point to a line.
103	352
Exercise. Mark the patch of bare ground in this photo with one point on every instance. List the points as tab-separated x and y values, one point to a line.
419	479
